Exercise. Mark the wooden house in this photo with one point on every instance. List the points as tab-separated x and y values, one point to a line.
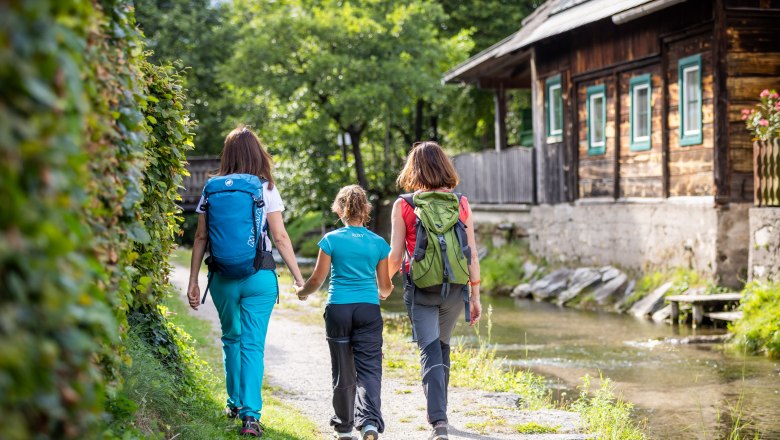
641	156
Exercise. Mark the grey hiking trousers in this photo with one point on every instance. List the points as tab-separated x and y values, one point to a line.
354	333
433	319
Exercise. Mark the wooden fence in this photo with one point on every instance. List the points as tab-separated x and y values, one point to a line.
766	167
199	168
497	177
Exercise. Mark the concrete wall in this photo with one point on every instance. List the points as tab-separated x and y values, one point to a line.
764	234
645	235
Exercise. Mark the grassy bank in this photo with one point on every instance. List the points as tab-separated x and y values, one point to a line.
758	332
156	404
478	367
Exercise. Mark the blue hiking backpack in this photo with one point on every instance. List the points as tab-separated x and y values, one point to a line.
233	206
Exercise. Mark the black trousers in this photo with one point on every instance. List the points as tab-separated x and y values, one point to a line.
354	334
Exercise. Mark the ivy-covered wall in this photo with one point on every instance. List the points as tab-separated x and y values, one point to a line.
92	142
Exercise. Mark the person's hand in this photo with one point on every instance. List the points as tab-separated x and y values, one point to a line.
298	290
193	295
475	309
384	297
298	283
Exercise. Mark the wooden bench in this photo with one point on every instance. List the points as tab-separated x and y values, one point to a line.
725	316
698	302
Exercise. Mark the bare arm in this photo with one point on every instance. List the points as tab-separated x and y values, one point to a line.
397	240
283	244
317	277
474	303
198	250
383	279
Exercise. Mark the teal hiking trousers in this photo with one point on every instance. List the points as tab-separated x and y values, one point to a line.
244	306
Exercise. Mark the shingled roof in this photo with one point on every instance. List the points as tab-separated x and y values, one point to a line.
552	18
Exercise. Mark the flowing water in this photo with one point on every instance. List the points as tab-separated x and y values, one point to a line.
682	391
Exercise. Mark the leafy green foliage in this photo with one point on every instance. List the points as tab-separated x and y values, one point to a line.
759	329
197	35
502	268
79	128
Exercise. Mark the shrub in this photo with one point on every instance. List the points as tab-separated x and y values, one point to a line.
759	329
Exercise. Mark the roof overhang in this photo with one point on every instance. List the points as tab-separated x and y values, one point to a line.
553	17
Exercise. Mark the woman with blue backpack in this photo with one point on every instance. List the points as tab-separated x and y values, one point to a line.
240	205
356	259
434	244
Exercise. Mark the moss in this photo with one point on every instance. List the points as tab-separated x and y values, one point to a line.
535	428
759	329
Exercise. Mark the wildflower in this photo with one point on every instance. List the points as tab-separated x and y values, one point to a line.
774	95
764	93
763	123
777	106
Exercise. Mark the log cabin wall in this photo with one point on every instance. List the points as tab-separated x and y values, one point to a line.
691	166
753	64
559	185
641	170
596	169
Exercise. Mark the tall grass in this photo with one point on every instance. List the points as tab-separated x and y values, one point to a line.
758	332
605	413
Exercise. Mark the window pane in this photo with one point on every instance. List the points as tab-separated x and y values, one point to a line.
641	114
597	119
692	99
558	115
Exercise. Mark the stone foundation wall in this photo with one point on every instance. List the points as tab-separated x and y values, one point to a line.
663	234
764	260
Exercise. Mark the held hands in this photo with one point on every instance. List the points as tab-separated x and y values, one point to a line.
193	295
298	288
384	297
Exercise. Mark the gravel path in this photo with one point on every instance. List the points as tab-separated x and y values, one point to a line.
297	361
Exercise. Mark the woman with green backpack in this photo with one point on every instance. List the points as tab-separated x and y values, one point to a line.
240	204
434	244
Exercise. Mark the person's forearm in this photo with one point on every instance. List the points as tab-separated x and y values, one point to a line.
198	250
311	285
394	263
288	255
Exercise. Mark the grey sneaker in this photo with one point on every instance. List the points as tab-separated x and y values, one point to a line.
231	412
439	431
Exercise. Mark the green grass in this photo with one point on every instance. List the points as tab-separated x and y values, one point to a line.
682	279
606	414
305	232
502	268
759	330
535	428
182	256
283	422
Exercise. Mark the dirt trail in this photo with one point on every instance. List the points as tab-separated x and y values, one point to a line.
297	361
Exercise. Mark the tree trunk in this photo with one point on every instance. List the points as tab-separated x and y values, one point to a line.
418	120
359	166
435	128
343	147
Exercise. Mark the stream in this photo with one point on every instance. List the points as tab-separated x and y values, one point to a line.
682	391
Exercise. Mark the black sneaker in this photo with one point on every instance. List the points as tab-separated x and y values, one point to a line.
231	412
439	431
251	427
370	432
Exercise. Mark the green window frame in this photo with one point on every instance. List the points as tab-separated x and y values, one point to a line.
641	113
597	130
554	106
690	100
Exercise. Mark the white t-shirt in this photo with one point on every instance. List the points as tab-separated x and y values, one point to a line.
273	203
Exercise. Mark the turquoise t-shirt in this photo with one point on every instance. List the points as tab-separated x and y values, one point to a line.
354	253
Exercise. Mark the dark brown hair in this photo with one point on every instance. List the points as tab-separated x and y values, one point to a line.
352	204
427	168
244	154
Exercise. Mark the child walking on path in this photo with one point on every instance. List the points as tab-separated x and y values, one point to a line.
357	260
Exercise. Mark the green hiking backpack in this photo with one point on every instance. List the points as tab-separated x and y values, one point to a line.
441	253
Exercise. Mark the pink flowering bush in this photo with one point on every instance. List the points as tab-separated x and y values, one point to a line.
764	120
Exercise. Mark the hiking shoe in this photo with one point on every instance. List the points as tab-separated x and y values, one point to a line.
439	431
370	432
231	412
251	427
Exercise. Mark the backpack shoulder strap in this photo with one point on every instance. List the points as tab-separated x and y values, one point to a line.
408	198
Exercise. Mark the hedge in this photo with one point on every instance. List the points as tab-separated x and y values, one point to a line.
92	140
